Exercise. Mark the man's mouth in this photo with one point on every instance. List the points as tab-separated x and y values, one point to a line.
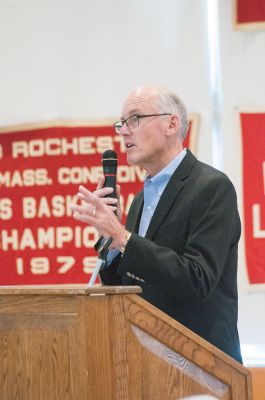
128	145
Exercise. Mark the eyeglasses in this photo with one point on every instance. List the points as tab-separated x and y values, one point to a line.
133	121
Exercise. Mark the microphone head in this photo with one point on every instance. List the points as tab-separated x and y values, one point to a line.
109	154
109	159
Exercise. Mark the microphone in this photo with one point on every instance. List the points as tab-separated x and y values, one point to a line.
109	163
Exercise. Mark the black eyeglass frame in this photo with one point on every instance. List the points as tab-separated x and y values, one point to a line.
138	116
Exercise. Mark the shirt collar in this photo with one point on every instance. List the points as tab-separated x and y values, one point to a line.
168	170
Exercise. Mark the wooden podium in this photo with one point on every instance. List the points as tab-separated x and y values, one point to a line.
105	343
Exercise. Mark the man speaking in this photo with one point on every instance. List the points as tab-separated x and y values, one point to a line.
180	241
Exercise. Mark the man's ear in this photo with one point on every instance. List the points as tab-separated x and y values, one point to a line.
174	125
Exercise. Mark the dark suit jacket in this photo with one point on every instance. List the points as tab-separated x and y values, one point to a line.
187	263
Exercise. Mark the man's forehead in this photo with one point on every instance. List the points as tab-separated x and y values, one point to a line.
137	101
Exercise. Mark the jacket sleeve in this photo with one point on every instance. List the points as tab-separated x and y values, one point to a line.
109	275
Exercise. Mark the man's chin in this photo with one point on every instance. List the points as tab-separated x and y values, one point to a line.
131	160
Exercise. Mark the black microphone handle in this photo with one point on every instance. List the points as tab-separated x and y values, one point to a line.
110	181
109	171
100	246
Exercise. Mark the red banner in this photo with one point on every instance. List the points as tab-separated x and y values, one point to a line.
41	169
249	14
253	133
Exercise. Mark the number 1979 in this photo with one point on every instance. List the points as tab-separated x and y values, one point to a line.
41	265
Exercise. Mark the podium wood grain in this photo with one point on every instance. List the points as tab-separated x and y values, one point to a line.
105	343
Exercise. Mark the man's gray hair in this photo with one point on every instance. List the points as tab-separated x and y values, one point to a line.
168	101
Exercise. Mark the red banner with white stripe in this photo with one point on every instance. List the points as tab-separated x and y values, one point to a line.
40	171
253	146
249	14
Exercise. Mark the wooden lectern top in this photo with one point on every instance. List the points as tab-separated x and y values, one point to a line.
77	289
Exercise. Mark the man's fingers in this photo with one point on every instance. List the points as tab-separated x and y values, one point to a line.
101	182
87	209
103	192
91	198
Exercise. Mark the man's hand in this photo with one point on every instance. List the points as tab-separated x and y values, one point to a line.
98	211
102	191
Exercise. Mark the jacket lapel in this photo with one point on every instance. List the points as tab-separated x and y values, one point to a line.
133	219
173	188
